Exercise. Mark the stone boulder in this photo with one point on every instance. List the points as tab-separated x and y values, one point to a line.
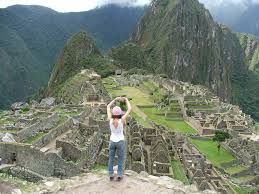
19	105
6	137
34	103
47	102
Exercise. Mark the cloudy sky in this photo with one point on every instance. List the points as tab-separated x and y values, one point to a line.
83	5
212	3
72	5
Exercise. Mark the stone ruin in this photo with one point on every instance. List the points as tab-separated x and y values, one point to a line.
210	113
246	151
200	171
63	140
54	146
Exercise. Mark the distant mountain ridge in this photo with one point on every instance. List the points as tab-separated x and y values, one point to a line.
179	38
39	34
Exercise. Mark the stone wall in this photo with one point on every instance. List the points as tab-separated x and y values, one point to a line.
50	136
84	157
195	123
33	159
32	130
69	151
24	173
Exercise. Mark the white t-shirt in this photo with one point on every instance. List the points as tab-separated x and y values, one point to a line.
116	133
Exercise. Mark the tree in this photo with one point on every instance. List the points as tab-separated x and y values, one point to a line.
189	112
220	136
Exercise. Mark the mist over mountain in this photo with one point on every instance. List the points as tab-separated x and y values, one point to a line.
240	15
31	38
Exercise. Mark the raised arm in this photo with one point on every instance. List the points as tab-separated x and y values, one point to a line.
109	112
128	111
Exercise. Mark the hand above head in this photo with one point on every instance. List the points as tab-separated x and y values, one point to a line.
117	98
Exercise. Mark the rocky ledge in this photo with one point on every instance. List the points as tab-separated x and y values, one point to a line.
98	182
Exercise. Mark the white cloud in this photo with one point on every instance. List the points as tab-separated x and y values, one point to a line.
210	3
72	5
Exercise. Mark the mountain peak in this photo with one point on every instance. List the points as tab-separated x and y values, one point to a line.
183	41
36	9
78	48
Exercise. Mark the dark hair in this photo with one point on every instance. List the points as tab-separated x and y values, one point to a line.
116	116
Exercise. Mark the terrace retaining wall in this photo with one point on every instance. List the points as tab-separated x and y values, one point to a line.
54	133
32	130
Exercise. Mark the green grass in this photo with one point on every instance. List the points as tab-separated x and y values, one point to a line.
140	120
4	121
25	186
209	149
178	126
243	179
239	189
234	169
141	98
138	96
179	172
157	92
256	128
13	131
97	167
33	139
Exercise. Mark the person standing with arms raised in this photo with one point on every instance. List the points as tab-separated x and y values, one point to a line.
117	141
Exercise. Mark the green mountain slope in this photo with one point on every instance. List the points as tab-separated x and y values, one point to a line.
250	45
43	32
78	48
80	52
18	68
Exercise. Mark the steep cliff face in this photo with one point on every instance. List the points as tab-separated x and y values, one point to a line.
250	45
71	60
182	40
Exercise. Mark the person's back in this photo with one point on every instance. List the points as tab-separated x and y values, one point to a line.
117	142
116	127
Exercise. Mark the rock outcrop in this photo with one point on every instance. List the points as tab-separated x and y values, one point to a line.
98	182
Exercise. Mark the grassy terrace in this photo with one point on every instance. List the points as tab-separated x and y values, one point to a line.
175	125
178	171
140	120
142	97
13	131
33	139
235	169
240	190
209	149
